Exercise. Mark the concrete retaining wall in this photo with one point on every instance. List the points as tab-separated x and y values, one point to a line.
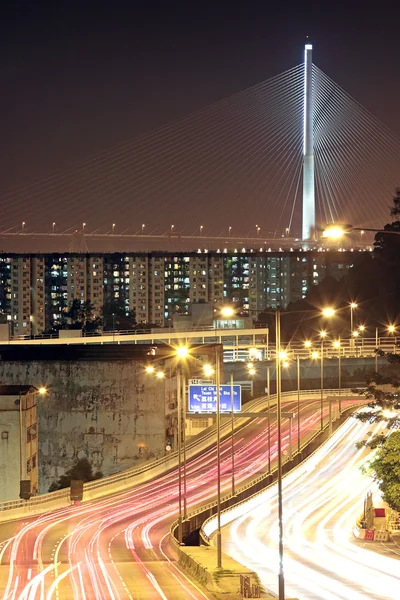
105	411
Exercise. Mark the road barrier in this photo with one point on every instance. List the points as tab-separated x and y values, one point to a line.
135	476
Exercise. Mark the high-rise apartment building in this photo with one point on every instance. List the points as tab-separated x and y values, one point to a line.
36	290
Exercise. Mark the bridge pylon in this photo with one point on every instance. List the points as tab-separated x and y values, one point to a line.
308	220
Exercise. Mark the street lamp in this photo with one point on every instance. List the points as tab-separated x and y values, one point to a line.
335	231
328	312
307	344
392	329
322	335
298	403
150	369
229	230
53	227
336	344
181	352
218	385
281	578
23	226
232	435
208	370
227	312
353	306
143	226
113	228
201	229
361	329
160	374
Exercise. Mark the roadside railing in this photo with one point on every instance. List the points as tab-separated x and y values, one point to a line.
254	482
135	475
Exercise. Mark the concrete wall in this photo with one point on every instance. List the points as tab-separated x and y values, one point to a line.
108	411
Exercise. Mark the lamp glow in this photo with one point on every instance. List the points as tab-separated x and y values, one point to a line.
208	370
160	374
335	231
150	369
328	311
227	312
182	351
42	390
315	355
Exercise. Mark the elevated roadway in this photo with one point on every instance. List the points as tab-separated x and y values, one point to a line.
322	498
118	547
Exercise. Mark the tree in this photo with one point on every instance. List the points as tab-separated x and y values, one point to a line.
116	316
385	469
82	470
383	391
81	315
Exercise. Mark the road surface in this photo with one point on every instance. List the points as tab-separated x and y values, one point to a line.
322	499
118	547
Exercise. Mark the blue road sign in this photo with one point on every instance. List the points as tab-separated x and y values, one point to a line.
203	398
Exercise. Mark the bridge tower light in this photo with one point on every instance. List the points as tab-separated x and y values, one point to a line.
308	223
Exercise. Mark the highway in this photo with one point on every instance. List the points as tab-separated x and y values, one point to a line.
322	499
118	547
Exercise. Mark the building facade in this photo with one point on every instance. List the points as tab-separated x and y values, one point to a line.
18	440
36	290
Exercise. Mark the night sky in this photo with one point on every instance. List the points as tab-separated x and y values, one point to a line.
78	79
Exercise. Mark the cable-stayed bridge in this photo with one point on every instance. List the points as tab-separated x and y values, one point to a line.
252	167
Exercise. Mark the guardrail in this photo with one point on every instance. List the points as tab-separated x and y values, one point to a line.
266	476
234	501
136	475
229	337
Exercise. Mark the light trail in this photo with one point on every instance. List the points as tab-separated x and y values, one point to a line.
99	539
323	497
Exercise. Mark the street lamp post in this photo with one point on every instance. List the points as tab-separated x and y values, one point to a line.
298	404
322	334
376	348
336	344
281	579
179	402
20	436
232	438
184	408
218	385
269	418
353	306
392	329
